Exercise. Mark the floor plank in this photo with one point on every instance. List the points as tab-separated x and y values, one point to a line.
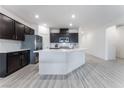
96	73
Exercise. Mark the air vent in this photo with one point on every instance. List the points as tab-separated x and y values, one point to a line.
64	30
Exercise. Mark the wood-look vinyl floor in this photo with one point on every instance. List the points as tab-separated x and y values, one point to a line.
96	73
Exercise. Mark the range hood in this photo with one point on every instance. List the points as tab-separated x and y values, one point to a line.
63	30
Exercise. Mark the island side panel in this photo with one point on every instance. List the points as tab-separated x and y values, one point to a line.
75	60
51	62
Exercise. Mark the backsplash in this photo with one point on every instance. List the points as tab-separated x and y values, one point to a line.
9	45
64	45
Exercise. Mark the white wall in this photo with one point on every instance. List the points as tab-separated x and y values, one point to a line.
94	41
80	37
11	44
120	42
54	30
44	32
100	42
110	44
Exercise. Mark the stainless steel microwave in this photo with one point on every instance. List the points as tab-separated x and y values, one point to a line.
64	40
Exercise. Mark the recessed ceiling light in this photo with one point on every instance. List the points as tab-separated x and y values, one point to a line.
70	24
73	16
36	16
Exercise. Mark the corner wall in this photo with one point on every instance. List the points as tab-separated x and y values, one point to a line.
44	32
110	43
94	41
120	42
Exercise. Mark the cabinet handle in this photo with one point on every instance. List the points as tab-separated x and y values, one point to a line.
16	37
15	53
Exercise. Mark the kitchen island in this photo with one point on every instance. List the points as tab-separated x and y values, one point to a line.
60	61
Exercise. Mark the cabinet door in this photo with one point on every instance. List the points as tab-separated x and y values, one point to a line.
6	27
73	37
19	29
54	37
29	31
24	58
13	62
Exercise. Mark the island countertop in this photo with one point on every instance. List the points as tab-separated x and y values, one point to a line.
62	50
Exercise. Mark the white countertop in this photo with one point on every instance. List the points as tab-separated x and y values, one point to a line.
62	50
8	51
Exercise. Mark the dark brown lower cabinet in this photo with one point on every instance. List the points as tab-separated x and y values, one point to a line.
25	58
11	62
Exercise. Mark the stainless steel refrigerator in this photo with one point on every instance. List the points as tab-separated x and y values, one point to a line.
34	43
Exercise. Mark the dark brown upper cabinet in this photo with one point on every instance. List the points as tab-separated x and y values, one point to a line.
11	29
6	27
19	29
29	31
73	37
54	37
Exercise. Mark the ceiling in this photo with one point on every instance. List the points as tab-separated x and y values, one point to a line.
88	17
